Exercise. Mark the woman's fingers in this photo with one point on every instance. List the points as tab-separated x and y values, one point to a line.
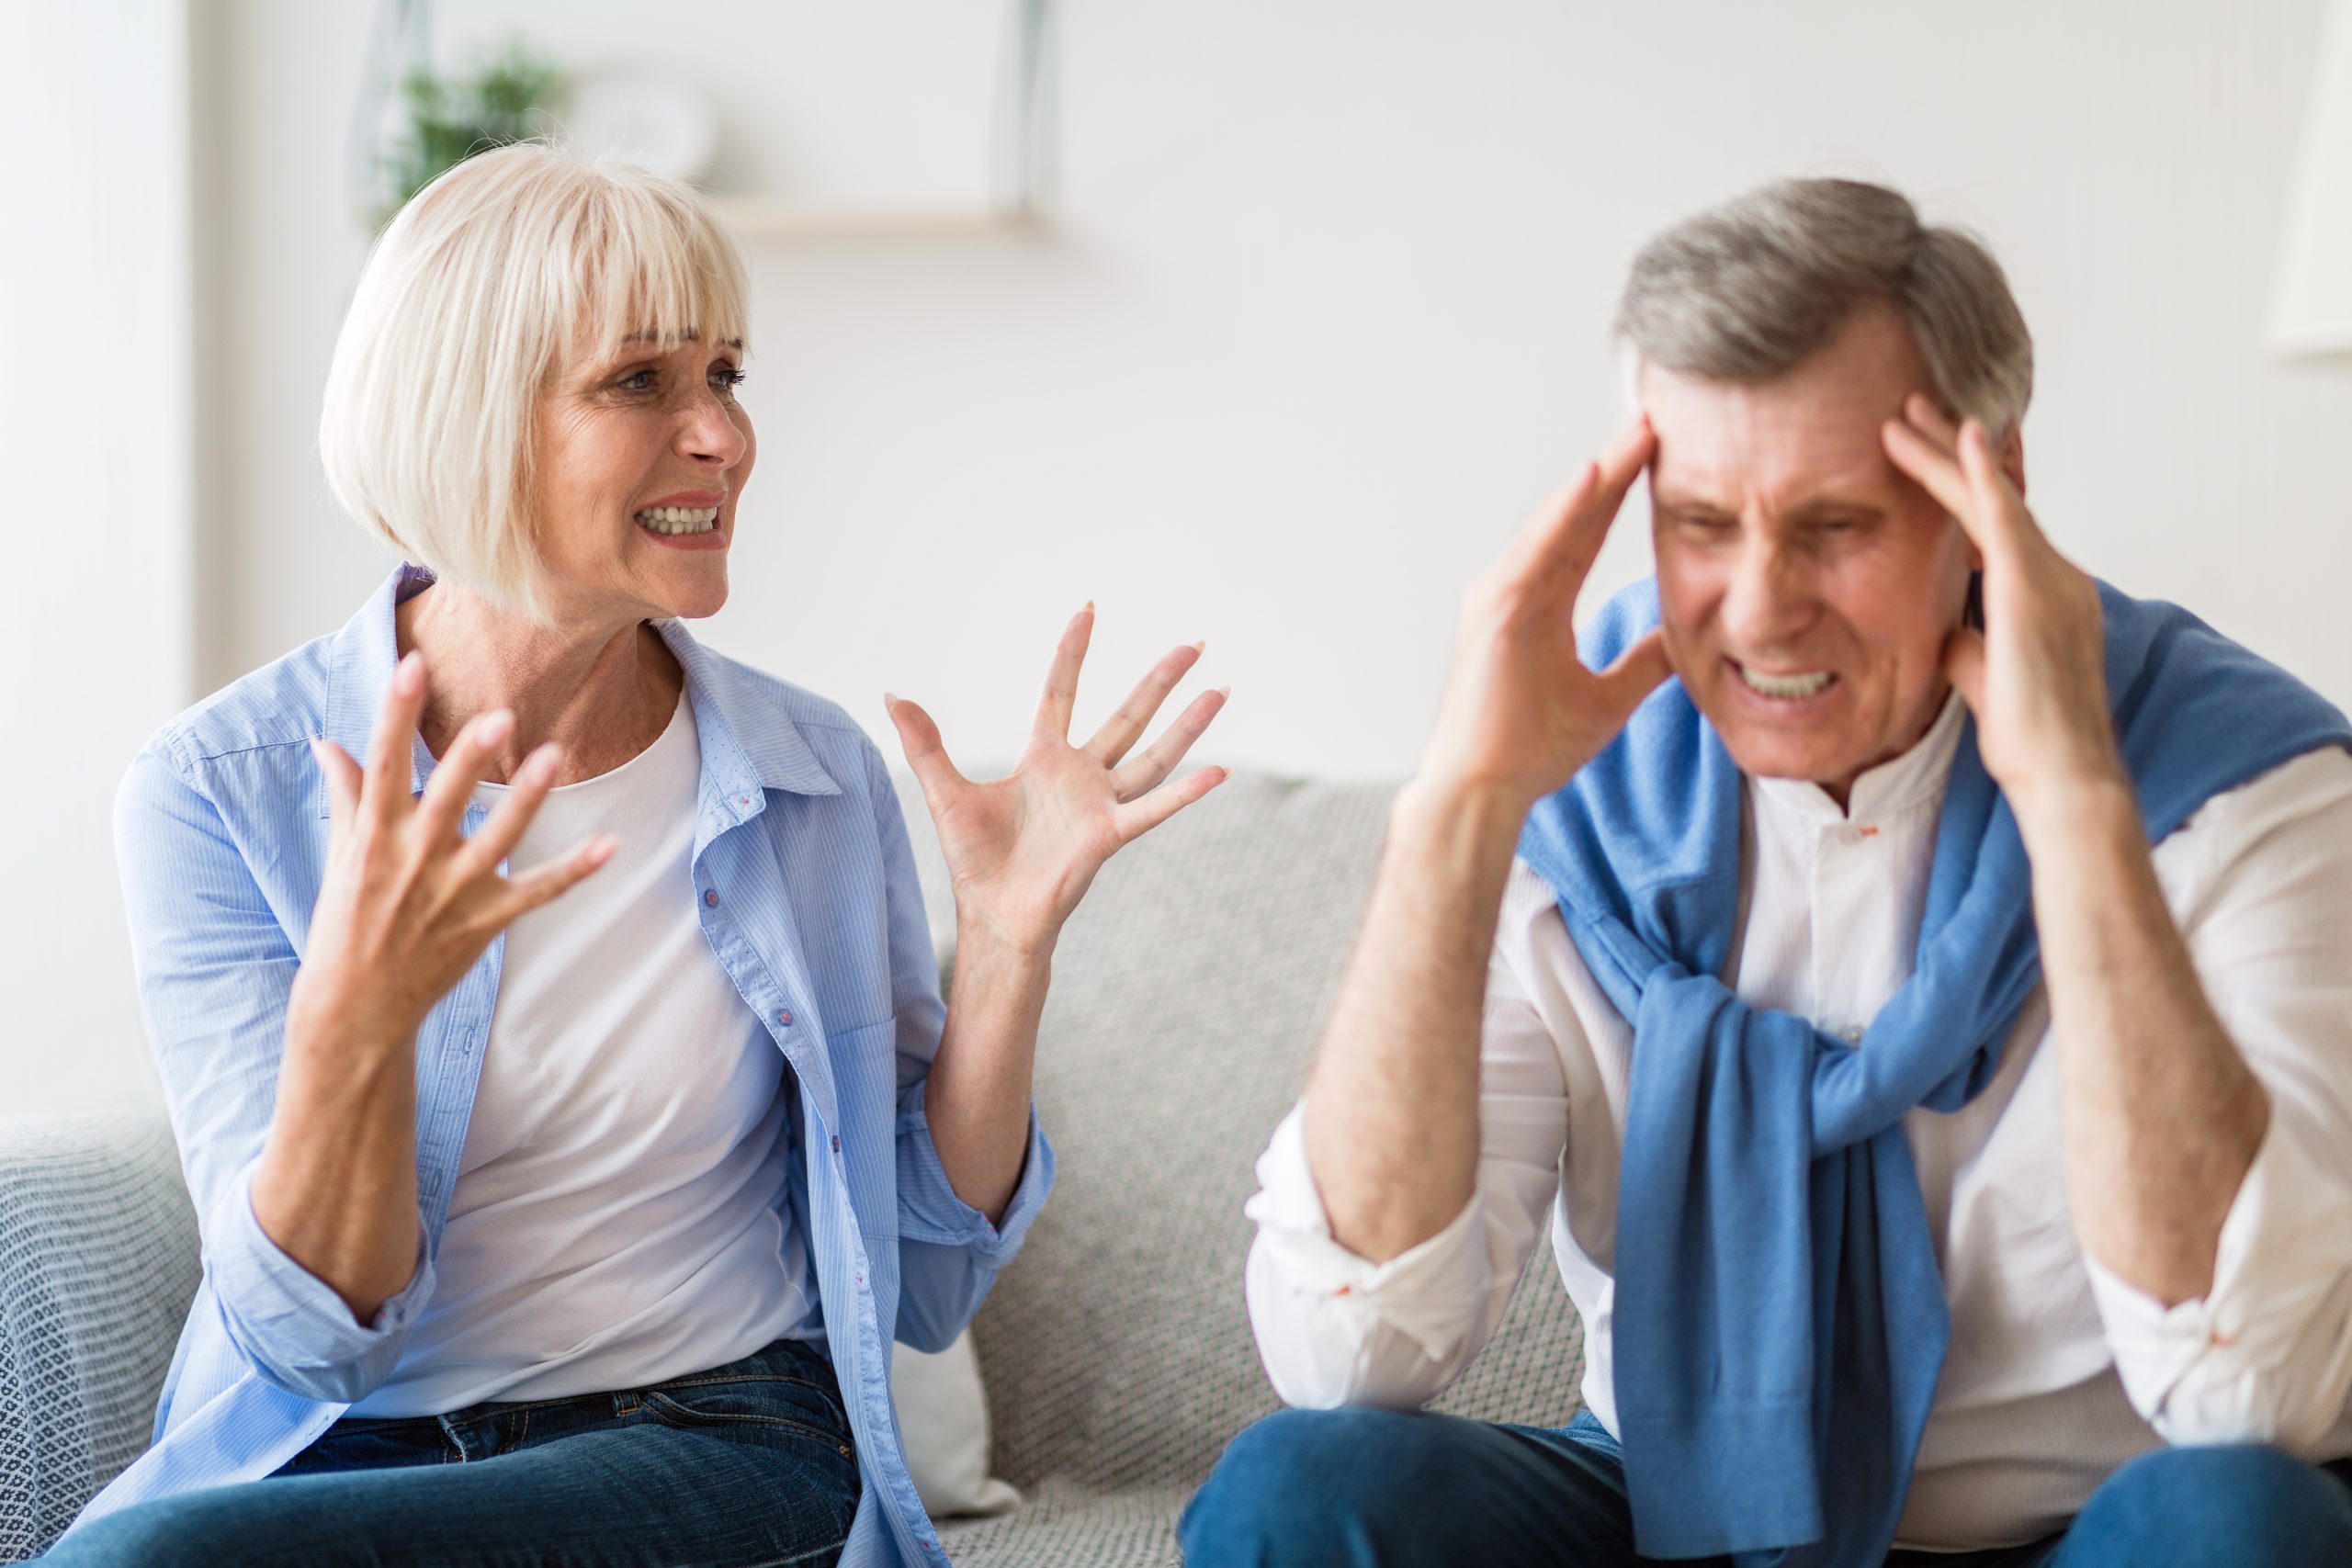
343	779
1123	729
503	830
1061	679
391	760
919	738
1155	761
542	884
1136	817
446	793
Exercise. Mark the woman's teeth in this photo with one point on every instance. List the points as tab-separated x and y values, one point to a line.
679	519
1786	687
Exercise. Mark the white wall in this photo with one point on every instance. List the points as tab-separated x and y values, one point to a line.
1324	315
94	435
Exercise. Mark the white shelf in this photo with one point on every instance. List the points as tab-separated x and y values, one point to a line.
762	218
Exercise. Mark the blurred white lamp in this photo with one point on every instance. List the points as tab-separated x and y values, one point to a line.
2310	310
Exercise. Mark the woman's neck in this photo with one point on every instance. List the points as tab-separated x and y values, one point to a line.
604	693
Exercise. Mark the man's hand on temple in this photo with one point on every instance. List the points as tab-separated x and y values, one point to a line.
2035	677
1391	1113
1521	712
2163	1116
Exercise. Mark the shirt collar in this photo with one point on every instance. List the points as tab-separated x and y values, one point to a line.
746	738
1915	777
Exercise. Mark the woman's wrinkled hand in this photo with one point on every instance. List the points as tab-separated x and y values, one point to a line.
1022	850
408	903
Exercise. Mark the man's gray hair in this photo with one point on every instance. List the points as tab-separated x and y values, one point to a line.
1745	291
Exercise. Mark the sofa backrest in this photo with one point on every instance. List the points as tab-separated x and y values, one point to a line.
1188	995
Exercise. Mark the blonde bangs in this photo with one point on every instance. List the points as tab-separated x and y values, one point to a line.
493	281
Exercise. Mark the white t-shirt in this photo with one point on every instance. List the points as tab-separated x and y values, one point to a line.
620	1213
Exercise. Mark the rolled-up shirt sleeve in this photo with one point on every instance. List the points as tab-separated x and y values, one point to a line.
215	967
1336	1328
2265	1354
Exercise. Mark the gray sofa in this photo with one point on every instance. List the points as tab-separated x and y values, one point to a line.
1116	1350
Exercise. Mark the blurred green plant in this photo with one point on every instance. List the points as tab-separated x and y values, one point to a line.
451	118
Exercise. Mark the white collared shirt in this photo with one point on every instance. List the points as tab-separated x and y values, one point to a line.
2057	1371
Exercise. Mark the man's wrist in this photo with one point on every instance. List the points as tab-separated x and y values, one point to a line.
2087	808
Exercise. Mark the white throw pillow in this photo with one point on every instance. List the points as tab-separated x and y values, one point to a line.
943	1426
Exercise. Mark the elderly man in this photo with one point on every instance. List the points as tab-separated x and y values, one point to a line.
1916	977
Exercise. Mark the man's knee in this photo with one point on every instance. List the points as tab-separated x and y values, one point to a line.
2222	1503
1298	1485
173	1533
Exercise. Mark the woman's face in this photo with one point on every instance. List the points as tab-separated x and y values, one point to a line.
641	458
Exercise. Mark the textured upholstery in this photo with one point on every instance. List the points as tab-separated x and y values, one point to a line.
97	1264
1187	996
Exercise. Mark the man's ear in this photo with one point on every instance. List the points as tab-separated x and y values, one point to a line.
2012	456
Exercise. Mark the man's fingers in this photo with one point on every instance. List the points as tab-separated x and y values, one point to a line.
1937	470
342	780
1639	671
1965	666
1061	679
1155	761
1994	492
390	765
1565	538
1122	729
926	753
1136	817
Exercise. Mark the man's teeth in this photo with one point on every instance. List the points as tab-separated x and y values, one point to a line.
679	519
1785	686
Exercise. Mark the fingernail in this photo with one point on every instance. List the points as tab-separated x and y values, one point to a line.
1201	646
888	701
1090	608
1224	691
496	725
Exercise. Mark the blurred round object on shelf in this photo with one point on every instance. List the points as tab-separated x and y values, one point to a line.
650	117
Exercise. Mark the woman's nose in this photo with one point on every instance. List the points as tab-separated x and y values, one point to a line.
711	433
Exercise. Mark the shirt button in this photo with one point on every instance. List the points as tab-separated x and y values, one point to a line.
837	1142
784	1017
1851	1036
710	896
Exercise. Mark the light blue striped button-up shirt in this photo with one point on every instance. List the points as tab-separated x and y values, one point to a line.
807	892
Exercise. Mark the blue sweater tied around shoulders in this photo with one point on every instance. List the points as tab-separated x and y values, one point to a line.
1779	1321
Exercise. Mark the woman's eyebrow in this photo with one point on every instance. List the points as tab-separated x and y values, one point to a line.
734	342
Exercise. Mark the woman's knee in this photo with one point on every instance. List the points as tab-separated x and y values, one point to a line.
2235	1504
1294	1487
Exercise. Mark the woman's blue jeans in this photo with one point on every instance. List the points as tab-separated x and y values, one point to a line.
751	1462
1355	1488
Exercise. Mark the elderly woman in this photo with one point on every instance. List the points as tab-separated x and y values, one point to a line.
556	1226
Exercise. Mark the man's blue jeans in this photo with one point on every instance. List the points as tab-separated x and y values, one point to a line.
1355	1488
751	1462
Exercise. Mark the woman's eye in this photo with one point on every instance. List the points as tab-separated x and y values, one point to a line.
638	381
727	377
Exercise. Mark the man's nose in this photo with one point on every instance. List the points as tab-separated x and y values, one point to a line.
1768	603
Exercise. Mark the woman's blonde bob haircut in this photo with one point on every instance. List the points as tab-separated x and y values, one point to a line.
491	282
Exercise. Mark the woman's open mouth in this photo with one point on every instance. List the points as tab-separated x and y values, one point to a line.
676	520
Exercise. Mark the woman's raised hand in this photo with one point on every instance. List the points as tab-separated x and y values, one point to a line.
1022	850
1520	711
408	903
